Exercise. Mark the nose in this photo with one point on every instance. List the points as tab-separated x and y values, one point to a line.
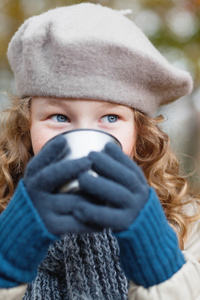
85	124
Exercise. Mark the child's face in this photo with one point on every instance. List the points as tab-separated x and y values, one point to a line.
50	117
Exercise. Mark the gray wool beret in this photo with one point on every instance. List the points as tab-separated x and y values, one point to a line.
87	51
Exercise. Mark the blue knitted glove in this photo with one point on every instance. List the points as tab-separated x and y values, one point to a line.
120	191
24	239
43	177
121	199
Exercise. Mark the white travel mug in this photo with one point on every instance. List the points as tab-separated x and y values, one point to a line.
80	143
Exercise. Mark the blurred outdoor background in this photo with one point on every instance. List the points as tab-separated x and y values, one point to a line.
173	26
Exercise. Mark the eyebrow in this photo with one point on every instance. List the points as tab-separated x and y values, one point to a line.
51	101
55	101
59	102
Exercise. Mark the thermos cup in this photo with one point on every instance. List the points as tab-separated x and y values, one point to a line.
80	143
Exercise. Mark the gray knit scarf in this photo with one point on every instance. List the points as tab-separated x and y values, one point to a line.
80	267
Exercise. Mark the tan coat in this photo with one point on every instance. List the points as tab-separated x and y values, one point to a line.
184	285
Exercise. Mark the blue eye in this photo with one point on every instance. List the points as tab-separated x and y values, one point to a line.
110	118
59	118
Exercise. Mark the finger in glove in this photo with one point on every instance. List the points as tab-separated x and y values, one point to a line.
116	153
131	178
110	204
107	191
50	153
52	177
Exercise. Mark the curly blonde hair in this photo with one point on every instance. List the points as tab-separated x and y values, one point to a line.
162	170
152	153
15	147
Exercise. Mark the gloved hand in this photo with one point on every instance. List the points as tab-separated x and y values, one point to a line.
24	239
44	174
121	199
117	195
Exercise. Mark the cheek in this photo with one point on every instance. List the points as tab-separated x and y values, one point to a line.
38	141
128	145
39	138
127	139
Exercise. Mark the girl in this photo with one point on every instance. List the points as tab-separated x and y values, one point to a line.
123	235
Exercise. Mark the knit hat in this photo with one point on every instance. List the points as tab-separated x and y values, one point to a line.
87	51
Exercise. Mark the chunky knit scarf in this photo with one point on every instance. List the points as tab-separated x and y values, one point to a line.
80	267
